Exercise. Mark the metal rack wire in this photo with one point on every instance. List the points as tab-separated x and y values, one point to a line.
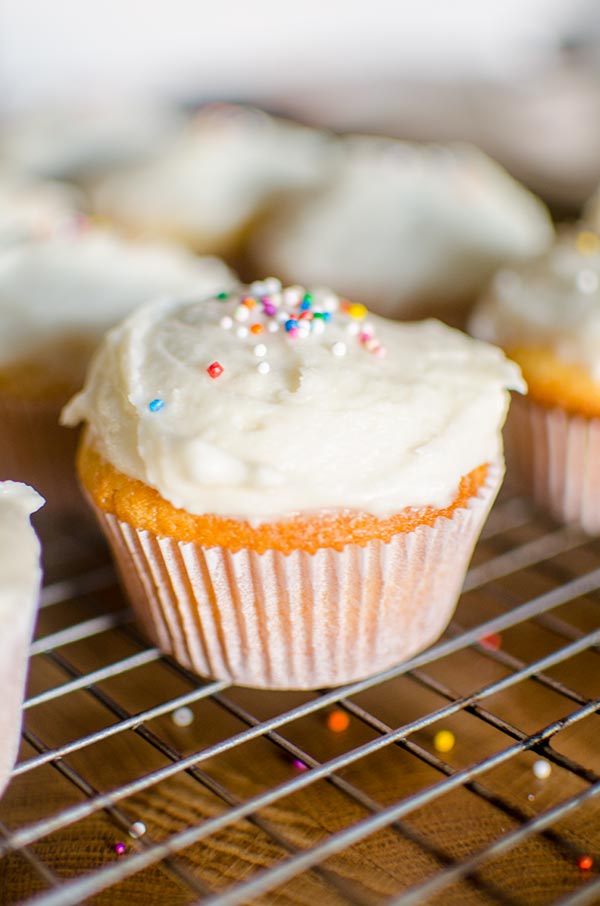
123	746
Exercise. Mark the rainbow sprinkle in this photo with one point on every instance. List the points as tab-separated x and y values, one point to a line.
156	405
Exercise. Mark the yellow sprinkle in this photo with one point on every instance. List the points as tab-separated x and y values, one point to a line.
588	243
358	311
443	741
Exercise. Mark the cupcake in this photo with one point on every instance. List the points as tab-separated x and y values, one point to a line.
409	229
211	183
292	488
546	316
20	577
57	298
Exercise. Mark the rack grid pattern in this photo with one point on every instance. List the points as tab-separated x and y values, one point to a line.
225	796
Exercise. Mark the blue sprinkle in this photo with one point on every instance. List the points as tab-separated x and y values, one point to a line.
156	405
289	325
305	304
327	316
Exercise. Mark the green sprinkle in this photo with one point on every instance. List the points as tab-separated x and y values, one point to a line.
222	295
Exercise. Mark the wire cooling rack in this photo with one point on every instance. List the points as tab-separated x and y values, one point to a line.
138	782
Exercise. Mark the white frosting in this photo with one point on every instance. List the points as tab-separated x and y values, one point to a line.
401	223
20	577
71	142
31	208
330	425
217	175
79	285
20	570
553	302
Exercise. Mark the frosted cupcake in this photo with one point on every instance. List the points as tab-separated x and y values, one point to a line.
57	298
409	229
292	488
20	577
546	315
212	182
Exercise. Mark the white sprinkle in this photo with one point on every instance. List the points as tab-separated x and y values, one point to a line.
137	829
368	327
292	294
371	344
242	313
226	322
272	326
587	281
183	717
303	328
318	325
353	328
542	769
241	332
272	285
260	350
282	316
258	288
263	367
339	349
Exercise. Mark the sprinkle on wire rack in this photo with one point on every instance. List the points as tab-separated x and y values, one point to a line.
514	543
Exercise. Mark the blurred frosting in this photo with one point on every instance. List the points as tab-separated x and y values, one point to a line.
80	283
31	208
216	176
401	225
73	142
553	302
267	402
20	578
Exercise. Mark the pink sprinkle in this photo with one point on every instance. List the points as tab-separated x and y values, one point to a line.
365	335
269	309
293	332
381	351
120	848
298	765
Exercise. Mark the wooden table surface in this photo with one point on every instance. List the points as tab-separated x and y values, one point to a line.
443	831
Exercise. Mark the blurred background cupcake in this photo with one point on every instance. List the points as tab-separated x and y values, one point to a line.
409	229
546	316
211	184
58	295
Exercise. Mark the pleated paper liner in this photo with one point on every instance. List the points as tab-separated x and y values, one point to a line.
299	621
556	456
35	449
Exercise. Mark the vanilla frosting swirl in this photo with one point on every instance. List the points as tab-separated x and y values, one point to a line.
266	403
552	302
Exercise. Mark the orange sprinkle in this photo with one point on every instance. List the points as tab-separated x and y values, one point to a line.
585	862
249	302
338	721
256	328
491	642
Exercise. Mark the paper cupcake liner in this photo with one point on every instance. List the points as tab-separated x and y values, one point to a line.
299	620
35	449
557	458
